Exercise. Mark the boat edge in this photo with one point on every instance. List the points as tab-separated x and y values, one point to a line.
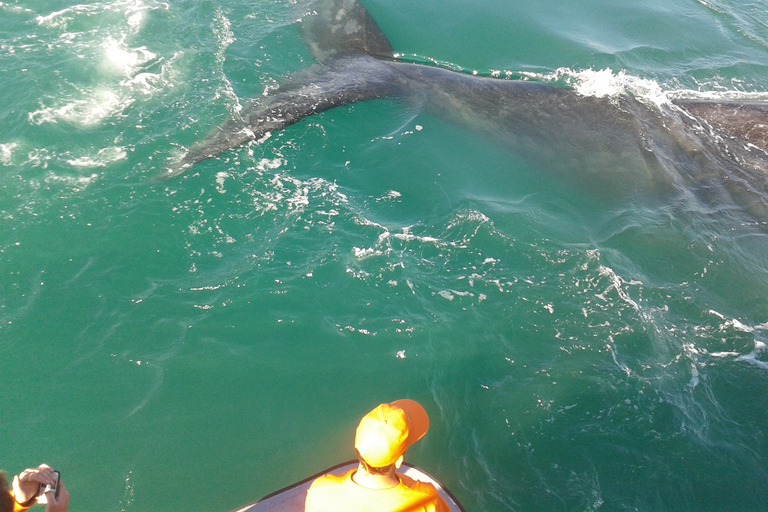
440	486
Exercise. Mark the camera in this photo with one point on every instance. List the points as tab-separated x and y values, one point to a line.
41	496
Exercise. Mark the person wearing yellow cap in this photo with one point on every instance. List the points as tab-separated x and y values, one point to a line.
383	436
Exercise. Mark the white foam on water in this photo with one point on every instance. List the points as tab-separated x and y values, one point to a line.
269	164
148	84
725	354
121	58
752	357
362	254
284	192
606	83
94	107
60	19
731	323
225	38
611	348
223	31
407	236
78	183
39	158
392	195
121	75
132	10
13	8
102	158
719	94
6	152
617	283
446	295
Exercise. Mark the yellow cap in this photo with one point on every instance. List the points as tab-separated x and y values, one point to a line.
385	433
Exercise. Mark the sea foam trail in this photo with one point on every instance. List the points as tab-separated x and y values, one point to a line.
6	152
609	83
106	36
119	70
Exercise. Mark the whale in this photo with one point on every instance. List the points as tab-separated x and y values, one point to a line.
619	143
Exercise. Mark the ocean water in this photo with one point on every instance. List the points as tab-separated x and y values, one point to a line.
195	343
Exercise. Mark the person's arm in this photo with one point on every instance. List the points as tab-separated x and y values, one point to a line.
23	505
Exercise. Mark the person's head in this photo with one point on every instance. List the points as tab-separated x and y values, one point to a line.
385	433
6	501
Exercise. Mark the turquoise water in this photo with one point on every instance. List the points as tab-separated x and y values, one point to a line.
193	344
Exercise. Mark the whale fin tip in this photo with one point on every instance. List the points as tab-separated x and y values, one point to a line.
343	28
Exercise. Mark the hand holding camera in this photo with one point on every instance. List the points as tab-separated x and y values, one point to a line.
42	493
56	499
44	485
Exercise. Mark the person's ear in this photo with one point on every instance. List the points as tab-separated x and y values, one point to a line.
399	462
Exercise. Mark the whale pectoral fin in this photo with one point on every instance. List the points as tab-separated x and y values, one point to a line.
343	28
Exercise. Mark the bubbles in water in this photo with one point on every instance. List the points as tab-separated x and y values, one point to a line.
6	152
103	158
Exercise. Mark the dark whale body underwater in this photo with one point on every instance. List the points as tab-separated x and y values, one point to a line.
621	144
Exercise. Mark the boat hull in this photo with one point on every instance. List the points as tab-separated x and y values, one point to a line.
291	499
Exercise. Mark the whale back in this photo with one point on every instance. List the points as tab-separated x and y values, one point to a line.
746	121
